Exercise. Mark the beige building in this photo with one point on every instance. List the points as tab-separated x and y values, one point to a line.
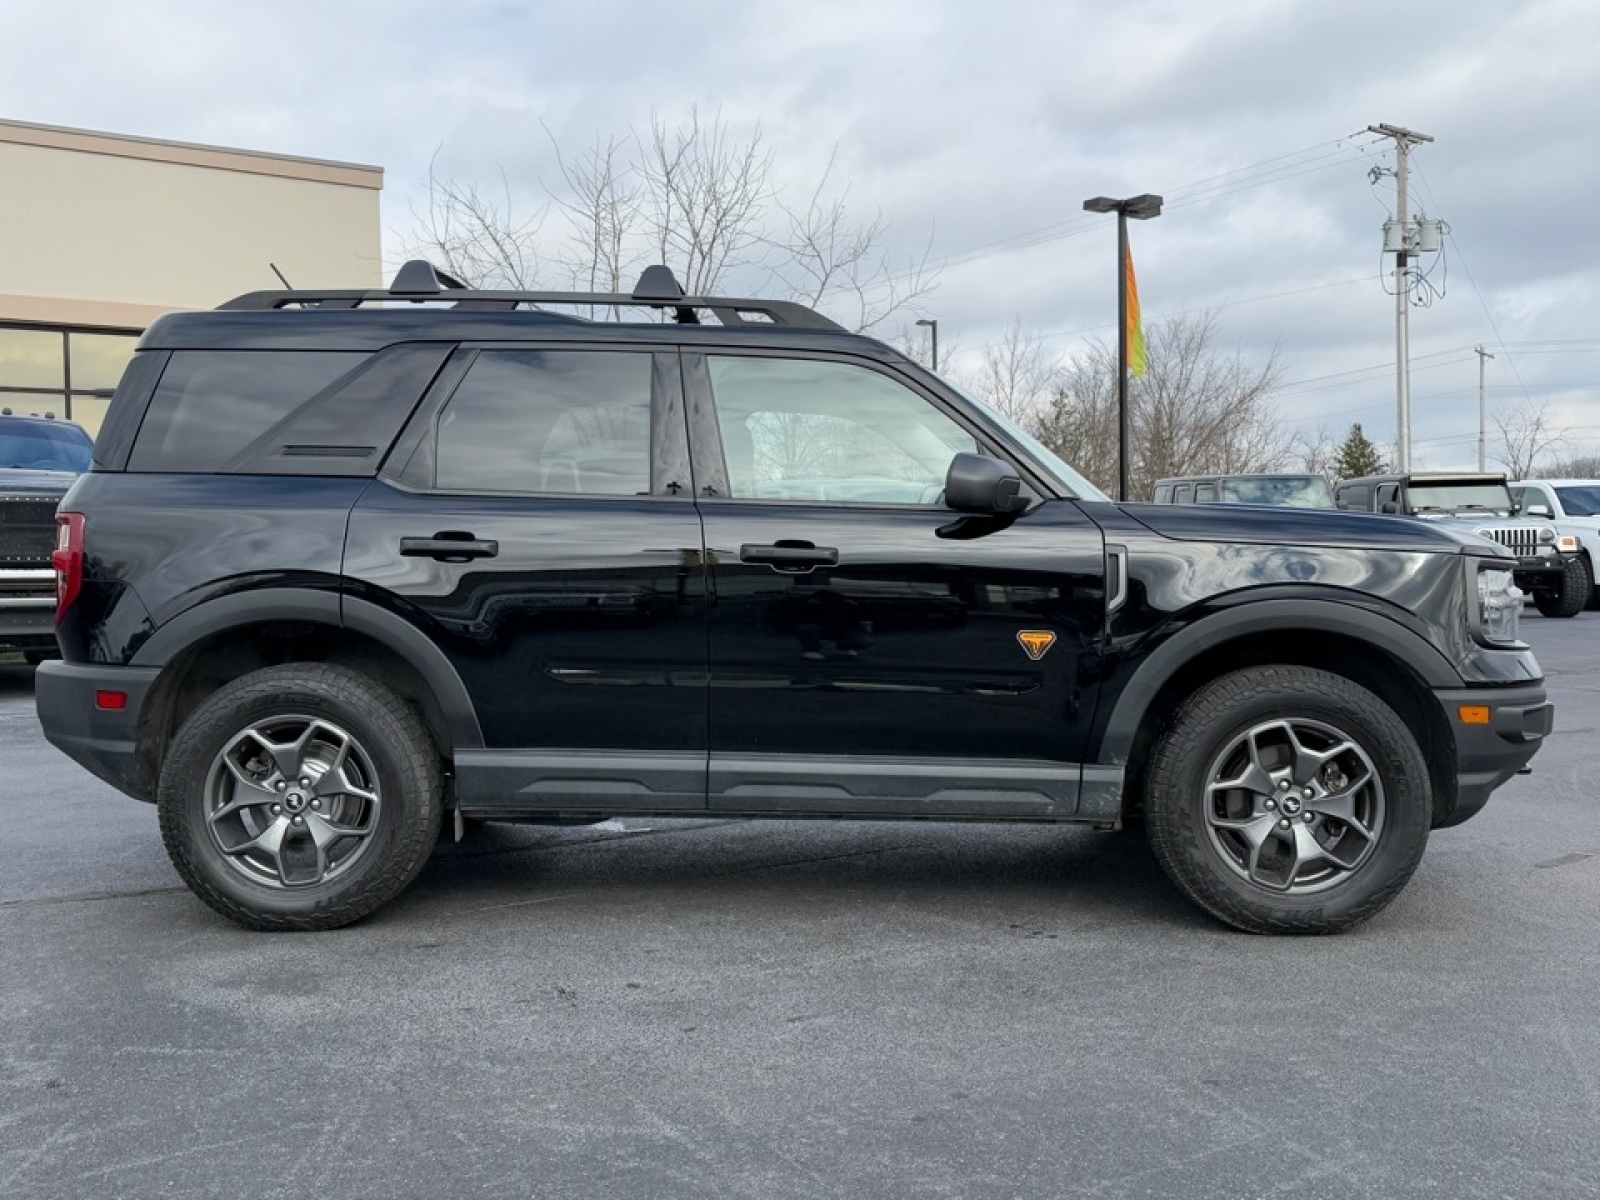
102	233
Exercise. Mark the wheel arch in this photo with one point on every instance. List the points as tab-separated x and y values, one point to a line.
1381	655
220	640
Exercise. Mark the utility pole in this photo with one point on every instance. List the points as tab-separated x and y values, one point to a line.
1483	408
1404	139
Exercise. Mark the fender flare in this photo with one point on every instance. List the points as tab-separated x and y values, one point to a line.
1253	617
239	609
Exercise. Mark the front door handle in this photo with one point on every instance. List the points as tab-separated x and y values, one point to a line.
449	546
789	556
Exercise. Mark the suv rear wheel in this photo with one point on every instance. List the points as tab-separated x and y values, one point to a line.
300	797
1286	799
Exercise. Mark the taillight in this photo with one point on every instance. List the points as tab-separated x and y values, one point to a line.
67	559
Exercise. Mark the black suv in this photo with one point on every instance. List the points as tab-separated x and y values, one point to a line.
350	564
39	459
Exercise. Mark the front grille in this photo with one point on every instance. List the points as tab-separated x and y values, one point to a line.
27	530
1523	539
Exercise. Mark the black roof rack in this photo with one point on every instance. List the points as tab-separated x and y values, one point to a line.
418	281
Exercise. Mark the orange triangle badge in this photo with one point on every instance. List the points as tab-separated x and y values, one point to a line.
1036	642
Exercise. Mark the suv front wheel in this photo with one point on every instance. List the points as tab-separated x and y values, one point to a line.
1572	597
300	797
1288	800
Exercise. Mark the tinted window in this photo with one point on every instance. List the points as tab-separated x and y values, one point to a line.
1460	497
565	421
801	429
41	446
210	405
1291	491
1357	496
1576	501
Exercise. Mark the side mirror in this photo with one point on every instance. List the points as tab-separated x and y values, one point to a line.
1389	506
1539	510
976	483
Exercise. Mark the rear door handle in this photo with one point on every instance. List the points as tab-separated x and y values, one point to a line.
449	546
789	556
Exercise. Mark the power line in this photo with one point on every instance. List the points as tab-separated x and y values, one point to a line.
1078	226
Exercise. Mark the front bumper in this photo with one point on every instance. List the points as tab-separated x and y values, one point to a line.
27	607
28	625
104	741
1491	752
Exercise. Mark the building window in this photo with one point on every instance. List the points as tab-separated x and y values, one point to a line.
68	373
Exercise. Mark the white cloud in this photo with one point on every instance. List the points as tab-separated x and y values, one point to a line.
979	123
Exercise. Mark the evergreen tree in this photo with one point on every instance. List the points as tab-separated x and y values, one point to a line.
1357	456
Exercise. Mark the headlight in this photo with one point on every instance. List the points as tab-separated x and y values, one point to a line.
1499	607
1547	535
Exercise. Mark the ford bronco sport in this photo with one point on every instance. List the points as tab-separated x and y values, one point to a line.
350	564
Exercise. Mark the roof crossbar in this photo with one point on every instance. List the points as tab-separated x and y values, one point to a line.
419	281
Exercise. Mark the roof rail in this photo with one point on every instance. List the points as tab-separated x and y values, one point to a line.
418	281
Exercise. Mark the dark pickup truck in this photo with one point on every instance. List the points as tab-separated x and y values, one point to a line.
40	457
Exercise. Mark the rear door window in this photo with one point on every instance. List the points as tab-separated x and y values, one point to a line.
567	422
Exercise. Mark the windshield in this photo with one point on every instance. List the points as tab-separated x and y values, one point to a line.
1047	458
1292	491
1451	497
40	447
1578	501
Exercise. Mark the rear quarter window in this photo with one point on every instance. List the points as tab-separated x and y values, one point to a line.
211	404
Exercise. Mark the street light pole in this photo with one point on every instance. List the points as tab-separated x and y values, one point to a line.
1140	208
933	334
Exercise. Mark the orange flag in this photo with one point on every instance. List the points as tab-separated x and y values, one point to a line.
1137	361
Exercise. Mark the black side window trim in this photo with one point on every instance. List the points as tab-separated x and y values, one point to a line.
705	435
411	466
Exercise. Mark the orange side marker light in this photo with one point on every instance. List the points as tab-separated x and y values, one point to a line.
1474	714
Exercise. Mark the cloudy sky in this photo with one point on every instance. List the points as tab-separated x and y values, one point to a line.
977	130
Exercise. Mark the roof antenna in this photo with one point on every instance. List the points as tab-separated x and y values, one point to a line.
281	278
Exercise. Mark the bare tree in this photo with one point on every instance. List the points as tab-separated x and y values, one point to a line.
476	237
1527	433
1582	466
1017	376
1311	451
601	204
704	195
696	195
827	260
1195	411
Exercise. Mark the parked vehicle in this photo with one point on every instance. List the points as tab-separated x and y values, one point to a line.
348	562
1550	565
1291	491
1572	506
39	459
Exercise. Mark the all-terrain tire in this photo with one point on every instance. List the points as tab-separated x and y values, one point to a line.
1201	829
1572	597
361	782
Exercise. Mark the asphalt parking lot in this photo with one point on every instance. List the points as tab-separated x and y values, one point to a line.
765	1009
